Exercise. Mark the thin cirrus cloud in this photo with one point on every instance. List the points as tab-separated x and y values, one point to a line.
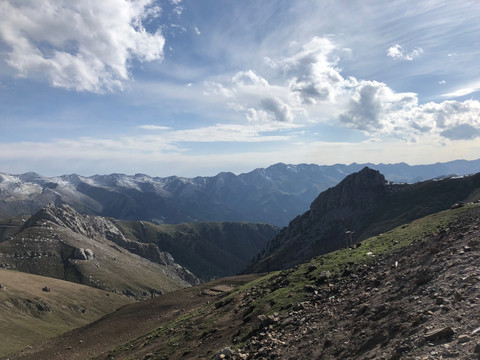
82	46
464	91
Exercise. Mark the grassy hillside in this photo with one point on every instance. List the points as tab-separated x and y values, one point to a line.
28	314
209	250
197	322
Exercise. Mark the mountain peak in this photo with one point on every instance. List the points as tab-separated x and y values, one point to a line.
360	188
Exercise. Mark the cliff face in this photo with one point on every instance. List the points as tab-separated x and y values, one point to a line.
363	204
324	227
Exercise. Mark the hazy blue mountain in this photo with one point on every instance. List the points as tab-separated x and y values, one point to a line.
273	195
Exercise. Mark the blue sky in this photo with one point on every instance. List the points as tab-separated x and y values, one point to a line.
187	88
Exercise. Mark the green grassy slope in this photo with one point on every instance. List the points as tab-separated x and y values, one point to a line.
29	314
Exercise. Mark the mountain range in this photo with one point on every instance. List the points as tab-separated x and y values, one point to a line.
355	250
273	195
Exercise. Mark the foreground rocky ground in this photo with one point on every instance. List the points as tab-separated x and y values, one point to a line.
421	302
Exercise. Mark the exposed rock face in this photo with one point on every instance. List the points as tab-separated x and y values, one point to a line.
273	195
83	254
61	243
96	227
322	229
362	205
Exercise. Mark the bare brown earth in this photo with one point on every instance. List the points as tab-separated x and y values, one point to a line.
97	339
417	300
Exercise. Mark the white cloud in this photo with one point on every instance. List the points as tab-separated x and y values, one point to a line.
398	53
79	45
154	127
308	87
371	104
178	10
469	89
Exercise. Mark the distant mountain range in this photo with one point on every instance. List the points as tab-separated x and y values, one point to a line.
273	195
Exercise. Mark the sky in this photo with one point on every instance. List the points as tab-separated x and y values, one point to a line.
196	87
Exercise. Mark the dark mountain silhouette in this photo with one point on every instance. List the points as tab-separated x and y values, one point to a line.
362	205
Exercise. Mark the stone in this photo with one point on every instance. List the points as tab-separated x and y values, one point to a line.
439	334
262	321
89	254
79	254
463	339
46	289
223	354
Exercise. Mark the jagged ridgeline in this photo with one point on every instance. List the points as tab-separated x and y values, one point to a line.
273	195
362	205
58	242
409	293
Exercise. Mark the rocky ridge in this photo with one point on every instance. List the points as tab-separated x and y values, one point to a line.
59	242
273	195
362	205
411	293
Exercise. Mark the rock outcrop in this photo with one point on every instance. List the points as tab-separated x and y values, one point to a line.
97	227
59	242
362	205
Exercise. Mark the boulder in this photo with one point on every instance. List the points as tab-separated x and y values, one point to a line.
79	254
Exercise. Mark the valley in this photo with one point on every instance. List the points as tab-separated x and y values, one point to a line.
410	292
374	269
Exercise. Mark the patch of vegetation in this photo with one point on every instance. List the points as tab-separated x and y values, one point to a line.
269	298
30	313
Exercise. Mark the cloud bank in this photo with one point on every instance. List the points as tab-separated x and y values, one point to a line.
79	45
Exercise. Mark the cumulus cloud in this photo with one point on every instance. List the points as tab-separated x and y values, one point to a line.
370	105
398	53
453	120
308	87
79	45
306	78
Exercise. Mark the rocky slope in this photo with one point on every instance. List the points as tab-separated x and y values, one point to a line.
59	242
410	293
362	205
419	302
273	195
